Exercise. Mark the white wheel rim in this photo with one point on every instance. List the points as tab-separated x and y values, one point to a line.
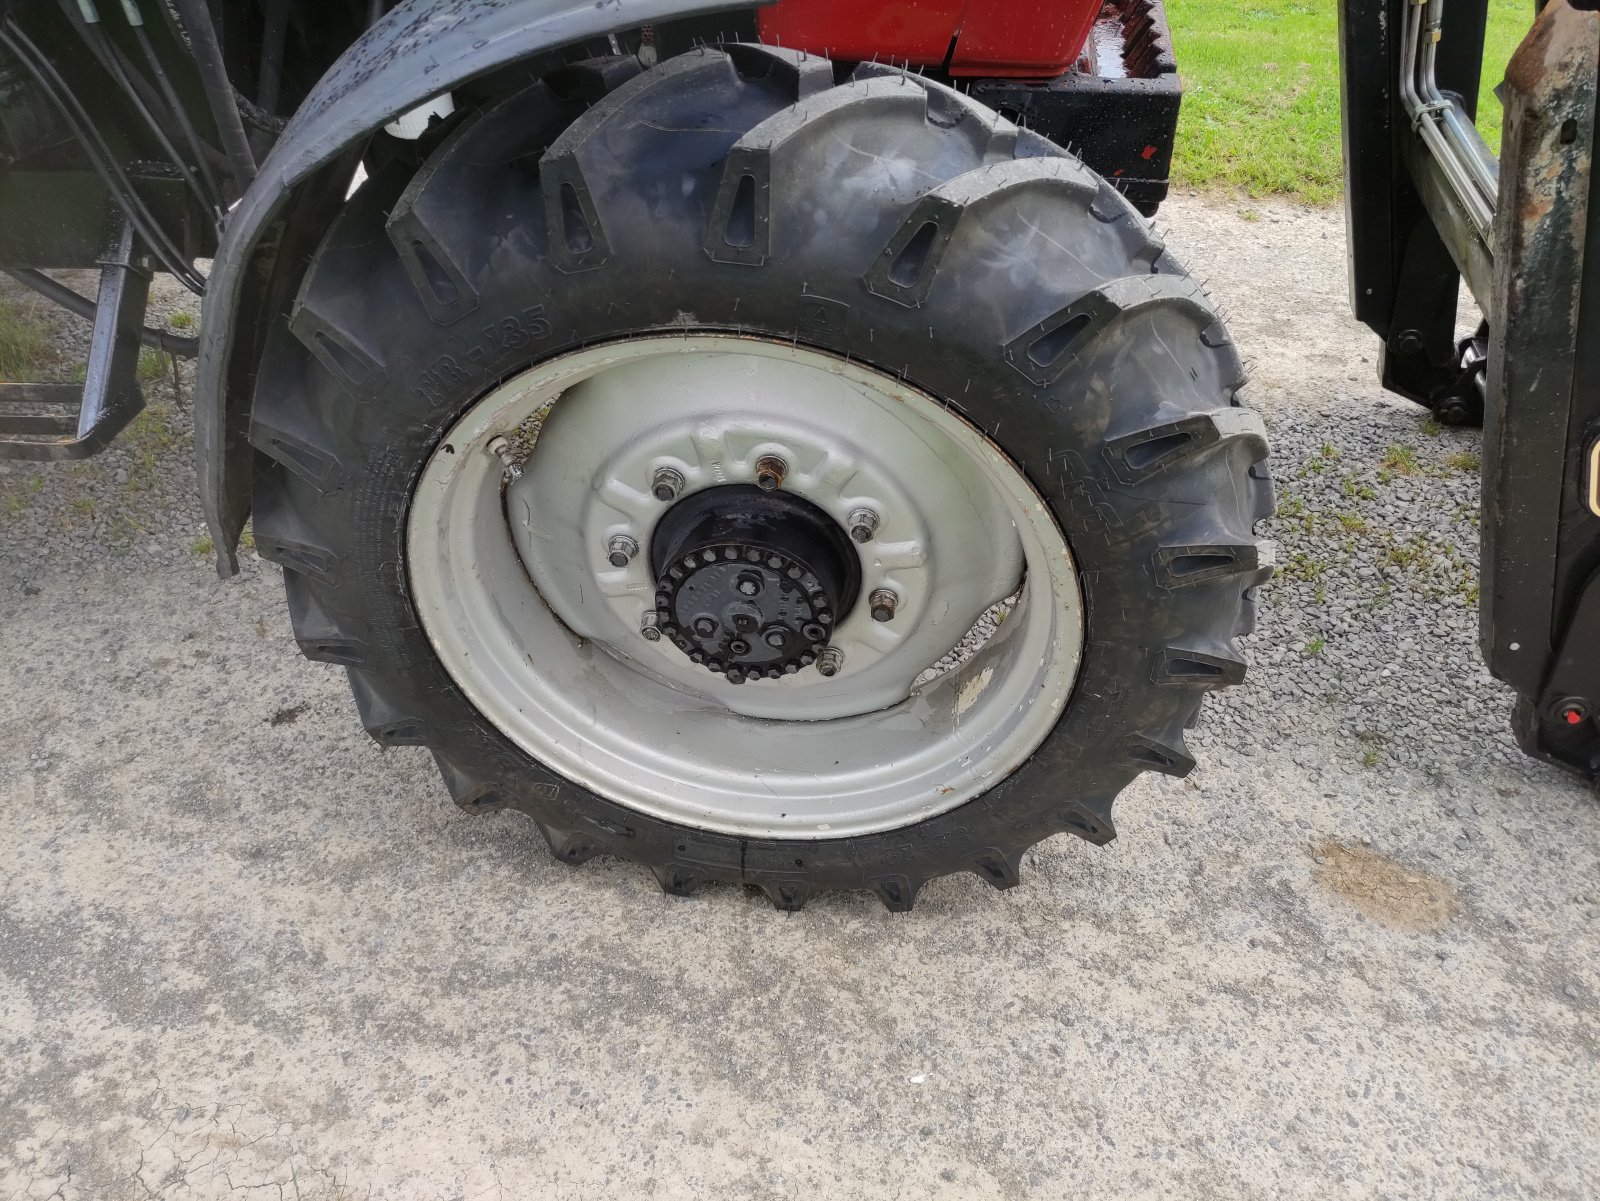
542	634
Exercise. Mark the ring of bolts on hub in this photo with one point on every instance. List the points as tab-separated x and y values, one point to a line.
667	484
757	572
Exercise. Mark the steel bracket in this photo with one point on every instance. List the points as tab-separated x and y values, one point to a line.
46	422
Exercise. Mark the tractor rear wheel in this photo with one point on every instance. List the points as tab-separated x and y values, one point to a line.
768	473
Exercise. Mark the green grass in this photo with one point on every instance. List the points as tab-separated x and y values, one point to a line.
152	364
1261	92
24	344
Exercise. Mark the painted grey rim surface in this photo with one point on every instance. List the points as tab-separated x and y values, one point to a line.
509	560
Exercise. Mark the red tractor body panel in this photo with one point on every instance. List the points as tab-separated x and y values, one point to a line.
1013	39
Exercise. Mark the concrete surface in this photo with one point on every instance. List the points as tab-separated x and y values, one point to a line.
243	952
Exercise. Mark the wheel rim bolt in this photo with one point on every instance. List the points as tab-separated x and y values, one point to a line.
666	484
650	627
621	550
863	525
770	471
705	627
830	661
883	602
776	640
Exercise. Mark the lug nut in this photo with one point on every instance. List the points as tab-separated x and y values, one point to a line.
863	525
830	661
705	627
770	471
666	484
776	639
883	602
650	626
620	550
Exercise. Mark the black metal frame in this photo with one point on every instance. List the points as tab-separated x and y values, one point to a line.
1540	290
46	422
1403	280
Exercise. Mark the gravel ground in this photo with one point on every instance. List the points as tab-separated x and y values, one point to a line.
1353	955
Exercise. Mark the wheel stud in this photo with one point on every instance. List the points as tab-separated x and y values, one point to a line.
776	639
883	602
705	627
770	471
650	626
620	550
863	525
666	484
830	661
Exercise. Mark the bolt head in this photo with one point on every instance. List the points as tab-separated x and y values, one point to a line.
776	640
863	525
883	603
666	484
621	550
830	661
705	627
770	471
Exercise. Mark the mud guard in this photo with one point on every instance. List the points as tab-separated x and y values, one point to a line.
420	49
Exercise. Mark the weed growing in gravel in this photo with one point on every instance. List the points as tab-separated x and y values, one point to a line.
1432	428
1353	523
24	343
1399	459
147	436
152	364
15	500
1413	552
202	545
181	320
1302	566
1357	489
1466	461
1314	647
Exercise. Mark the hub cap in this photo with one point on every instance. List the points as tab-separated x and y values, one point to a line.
724	721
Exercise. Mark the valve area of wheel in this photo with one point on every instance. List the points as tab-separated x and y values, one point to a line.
751	581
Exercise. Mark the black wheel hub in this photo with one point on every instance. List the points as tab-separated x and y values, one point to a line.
751	583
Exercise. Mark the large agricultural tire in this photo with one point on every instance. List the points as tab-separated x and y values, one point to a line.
787	240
